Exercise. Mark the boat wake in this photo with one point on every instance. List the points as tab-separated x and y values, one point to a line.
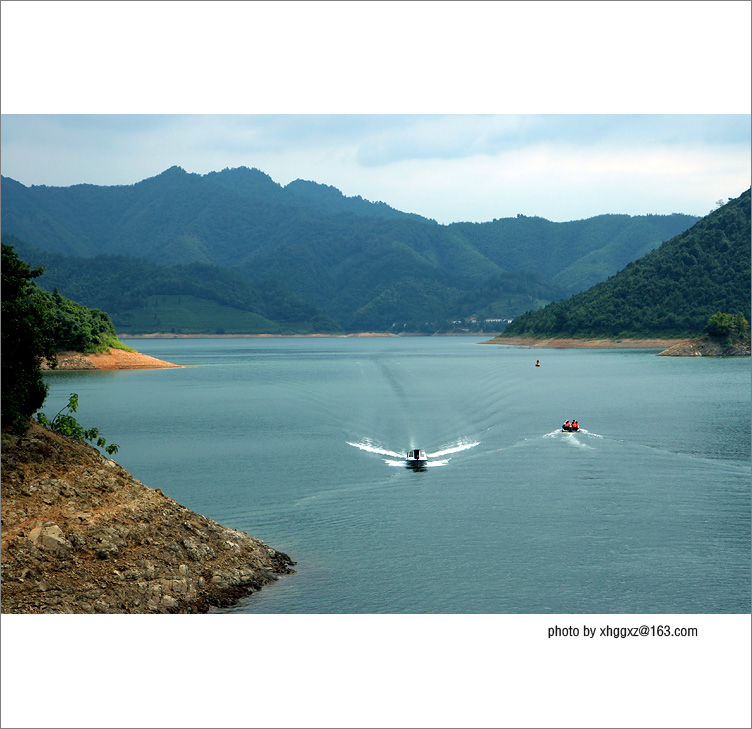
428	464
371	446
573	438
567	434
460	445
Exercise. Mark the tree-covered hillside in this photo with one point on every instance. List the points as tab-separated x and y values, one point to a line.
361	264
139	295
672	291
68	324
36	325
574	255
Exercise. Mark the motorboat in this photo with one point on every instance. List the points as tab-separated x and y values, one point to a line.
570	428
416	458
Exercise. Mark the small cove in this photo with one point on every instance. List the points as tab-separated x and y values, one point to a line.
296	441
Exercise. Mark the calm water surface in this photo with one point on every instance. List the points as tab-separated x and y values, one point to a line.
298	441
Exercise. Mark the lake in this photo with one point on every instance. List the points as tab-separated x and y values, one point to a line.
301	441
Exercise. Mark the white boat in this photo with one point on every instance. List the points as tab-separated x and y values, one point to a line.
416	458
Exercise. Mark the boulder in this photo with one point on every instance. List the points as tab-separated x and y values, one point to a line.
49	536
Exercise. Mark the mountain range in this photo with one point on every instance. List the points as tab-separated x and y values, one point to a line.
236	251
671	291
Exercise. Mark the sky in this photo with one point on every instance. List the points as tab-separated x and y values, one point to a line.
449	167
449	110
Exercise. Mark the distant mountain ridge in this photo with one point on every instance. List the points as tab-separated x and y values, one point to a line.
132	289
364	265
671	291
255	183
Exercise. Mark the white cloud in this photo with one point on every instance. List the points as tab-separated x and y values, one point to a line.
450	168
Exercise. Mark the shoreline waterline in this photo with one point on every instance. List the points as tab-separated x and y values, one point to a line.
550	342
351	335
571	343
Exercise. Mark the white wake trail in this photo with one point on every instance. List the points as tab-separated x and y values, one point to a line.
587	432
461	445
430	464
371	447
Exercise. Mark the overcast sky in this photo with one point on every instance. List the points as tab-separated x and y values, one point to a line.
446	167
655	120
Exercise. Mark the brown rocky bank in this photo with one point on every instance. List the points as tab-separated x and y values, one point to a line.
580	343
112	359
699	346
707	347
81	535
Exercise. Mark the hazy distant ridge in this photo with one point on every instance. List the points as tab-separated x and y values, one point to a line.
362	264
671	291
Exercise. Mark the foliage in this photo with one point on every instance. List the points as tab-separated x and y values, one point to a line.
507	295
671	291
36	325
727	325
27	340
573	255
127	289
78	328
335	261
190	315
66	424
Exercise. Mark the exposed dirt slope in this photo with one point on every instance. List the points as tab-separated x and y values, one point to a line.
81	535
114	359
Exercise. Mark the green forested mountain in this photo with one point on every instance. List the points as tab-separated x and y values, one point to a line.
139	295
354	264
255	184
672	291
576	255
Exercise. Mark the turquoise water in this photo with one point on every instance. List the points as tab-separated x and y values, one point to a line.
298	441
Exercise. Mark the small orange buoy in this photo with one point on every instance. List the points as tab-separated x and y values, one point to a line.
537	363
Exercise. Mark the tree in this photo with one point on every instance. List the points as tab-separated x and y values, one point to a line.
741	325
66	424
32	332
27	339
727	325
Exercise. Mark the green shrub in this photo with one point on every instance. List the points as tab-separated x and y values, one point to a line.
727	326
66	424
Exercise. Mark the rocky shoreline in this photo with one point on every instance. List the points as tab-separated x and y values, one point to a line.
707	347
112	359
564	343
700	346
81	535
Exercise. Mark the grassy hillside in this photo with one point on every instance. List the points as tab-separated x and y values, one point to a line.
671	291
190	315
